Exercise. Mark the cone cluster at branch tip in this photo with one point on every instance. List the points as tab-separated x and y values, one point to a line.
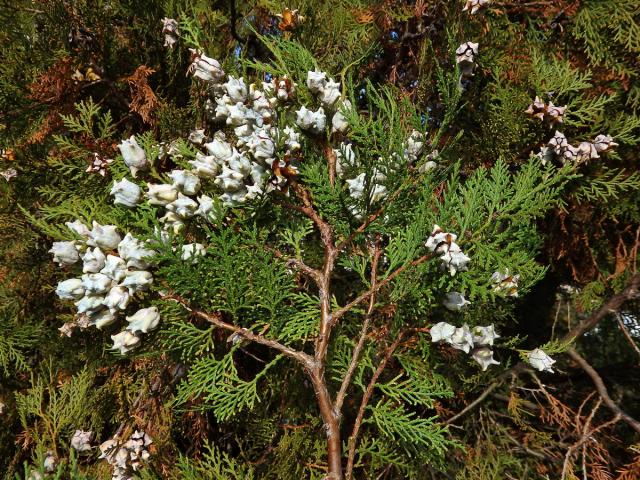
252	166
559	147
451	256
476	341
540	110
126	458
114	270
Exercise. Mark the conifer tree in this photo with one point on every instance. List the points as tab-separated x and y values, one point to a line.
298	243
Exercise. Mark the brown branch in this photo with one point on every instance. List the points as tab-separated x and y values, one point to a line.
473	404
326	232
602	390
611	306
216	319
331	414
316	369
627	334
326	323
361	298
324	279
297	263
303	267
363	333
318	466
331	162
353	439
331	422
324	283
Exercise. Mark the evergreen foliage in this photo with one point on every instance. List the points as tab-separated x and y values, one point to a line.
309	293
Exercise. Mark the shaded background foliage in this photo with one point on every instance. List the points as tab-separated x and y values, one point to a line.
109	54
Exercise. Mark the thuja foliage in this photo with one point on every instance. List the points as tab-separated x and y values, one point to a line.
288	293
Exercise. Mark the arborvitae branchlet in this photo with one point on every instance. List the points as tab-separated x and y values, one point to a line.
322	245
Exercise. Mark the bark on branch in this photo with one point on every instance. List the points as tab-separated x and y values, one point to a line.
363	333
353	439
612	305
330	416
216	319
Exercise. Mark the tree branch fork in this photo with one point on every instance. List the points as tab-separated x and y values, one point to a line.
314	364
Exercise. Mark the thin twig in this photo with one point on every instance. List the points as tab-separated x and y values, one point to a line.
297	263
353	439
363	333
521	401
473	404
7	5
300	265
216	319
612	305
520	444
626	333
361	298
586	436
602	390
326	232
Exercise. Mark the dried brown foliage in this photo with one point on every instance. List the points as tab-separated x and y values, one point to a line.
630	471
578	236
571	247
582	433
144	101
626	254
542	8
56	88
55	84
49	124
